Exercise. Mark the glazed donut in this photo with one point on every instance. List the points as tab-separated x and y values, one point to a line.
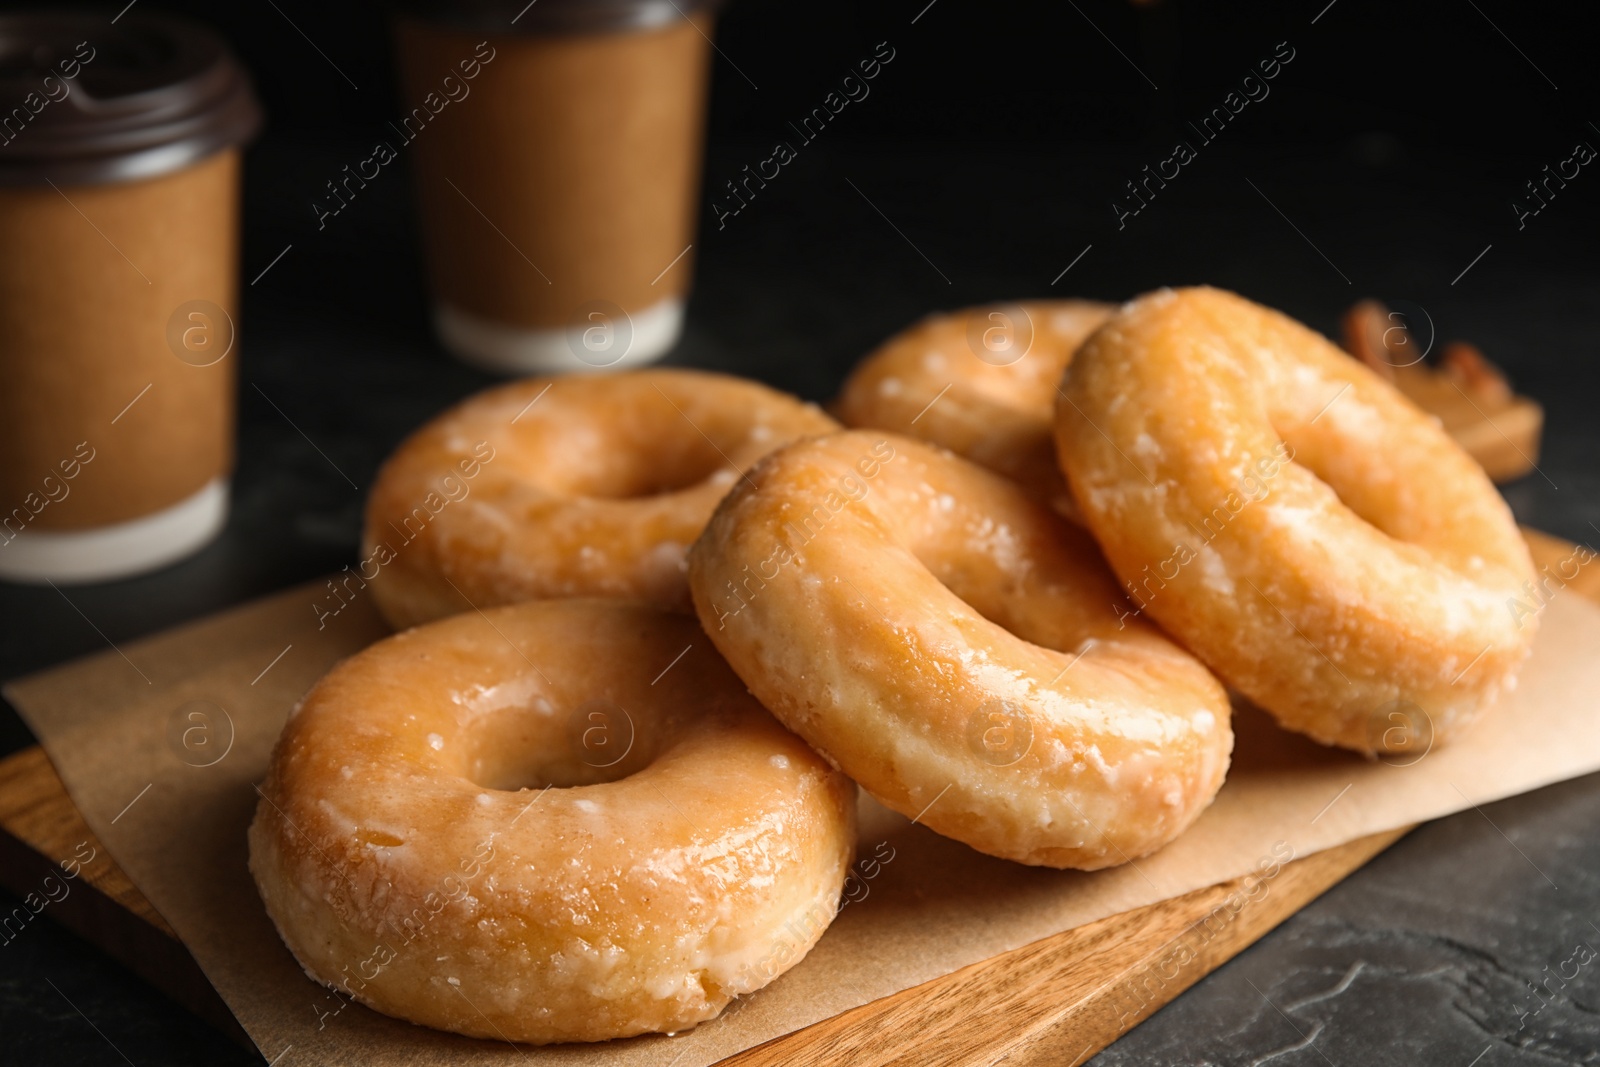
537	824
1304	529
553	487
981	382
957	648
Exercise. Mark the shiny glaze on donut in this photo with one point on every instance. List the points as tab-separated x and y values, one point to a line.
995	408
687	849
577	486
1349	567
959	650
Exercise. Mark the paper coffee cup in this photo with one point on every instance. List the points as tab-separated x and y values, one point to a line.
119	204
557	148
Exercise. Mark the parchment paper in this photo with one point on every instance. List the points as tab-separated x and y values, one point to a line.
122	730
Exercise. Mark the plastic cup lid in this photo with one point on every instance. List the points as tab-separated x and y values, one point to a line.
511	17
84	101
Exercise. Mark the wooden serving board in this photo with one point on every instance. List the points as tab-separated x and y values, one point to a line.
1055	1002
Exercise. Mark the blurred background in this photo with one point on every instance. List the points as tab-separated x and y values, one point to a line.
984	163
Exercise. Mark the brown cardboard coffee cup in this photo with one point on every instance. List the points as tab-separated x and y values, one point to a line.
119	190
557	154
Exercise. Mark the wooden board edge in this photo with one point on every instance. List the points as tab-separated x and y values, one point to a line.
94	899
1071	994
1107	1014
31	813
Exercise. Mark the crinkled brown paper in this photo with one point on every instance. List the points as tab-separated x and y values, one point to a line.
126	733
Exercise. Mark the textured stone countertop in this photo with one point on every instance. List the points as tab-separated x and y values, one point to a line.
1425	956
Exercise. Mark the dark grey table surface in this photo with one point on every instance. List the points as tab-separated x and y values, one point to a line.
1428	955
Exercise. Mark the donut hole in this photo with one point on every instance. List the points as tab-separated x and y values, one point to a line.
1002	603
589	743
632	467
1359	477
967	585
980	569
1025	387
